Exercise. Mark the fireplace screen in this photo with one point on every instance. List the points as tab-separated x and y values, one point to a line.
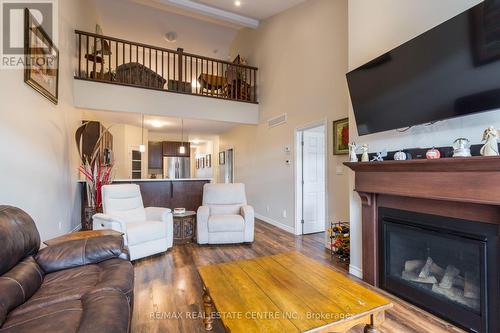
448	268
438	267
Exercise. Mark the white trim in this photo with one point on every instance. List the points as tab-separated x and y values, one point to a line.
213	12
298	166
77	228
357	272
275	223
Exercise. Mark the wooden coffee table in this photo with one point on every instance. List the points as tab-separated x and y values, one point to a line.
288	292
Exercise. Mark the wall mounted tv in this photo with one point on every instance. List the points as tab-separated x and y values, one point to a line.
449	71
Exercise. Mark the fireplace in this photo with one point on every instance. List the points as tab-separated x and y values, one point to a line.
430	235
444	265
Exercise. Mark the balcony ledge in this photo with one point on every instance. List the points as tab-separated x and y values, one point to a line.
112	97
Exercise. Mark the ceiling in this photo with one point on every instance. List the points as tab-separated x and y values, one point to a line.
193	128
257	9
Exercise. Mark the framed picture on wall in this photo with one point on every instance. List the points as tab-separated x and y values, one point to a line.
209	160
341	137
222	158
41	71
202	163
197	163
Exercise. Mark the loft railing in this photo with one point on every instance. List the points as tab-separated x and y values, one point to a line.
117	61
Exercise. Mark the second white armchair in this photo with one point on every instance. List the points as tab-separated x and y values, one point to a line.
225	217
147	231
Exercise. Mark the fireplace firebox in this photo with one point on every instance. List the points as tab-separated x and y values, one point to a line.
447	266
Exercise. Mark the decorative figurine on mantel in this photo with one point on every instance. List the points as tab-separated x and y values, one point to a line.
352	152
490	147
461	146
364	156
433	154
400	156
380	156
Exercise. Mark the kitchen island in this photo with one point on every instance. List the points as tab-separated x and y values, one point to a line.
169	193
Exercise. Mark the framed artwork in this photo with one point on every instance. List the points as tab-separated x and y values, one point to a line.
41	70
202	163
222	158
209	160
197	163
341	137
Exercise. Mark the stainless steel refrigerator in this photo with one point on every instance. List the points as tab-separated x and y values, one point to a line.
176	167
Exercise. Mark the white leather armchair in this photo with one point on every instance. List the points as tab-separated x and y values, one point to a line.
225	217
147	231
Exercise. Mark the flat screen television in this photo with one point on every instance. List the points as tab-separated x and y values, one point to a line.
449	71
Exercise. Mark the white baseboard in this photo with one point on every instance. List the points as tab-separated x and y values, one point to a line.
357	272
275	223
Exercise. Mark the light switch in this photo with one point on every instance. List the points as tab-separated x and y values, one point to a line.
339	170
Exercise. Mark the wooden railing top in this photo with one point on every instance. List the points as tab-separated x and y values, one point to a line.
147	46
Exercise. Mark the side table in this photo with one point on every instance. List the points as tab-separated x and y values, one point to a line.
184	227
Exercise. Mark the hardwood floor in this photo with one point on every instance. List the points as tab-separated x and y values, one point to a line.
168	289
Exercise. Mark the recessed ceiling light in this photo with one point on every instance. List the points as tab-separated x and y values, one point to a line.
157	123
237	3
171	37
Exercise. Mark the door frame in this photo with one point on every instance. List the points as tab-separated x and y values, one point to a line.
226	148
298	171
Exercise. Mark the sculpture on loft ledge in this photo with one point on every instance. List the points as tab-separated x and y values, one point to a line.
490	136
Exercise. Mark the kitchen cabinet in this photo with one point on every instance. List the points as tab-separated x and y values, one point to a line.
155	155
171	149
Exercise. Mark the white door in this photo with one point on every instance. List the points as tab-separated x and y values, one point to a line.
313	178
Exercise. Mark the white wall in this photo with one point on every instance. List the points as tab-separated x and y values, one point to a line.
125	139
201	151
38	168
302	59
376	27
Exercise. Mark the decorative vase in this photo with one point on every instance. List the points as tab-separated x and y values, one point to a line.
88	213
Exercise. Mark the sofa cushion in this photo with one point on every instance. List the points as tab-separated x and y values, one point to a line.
124	202
72	284
141	232
224	194
19	237
18	285
225	209
96	312
79	252
225	223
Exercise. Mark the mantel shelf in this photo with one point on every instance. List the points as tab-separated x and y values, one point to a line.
457	164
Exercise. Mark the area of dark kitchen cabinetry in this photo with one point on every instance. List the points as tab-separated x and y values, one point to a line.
155	155
171	149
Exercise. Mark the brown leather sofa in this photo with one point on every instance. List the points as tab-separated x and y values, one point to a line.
83	285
